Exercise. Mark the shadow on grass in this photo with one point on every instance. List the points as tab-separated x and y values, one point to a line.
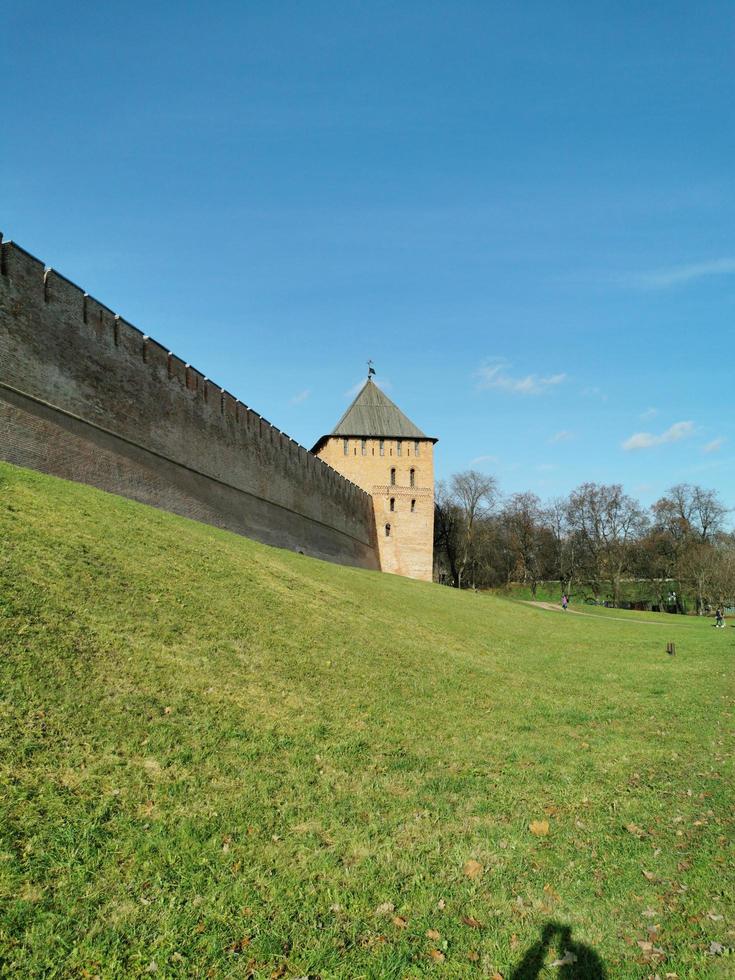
576	961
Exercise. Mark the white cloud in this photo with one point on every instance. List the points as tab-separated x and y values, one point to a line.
650	413
301	396
592	391
564	435
645	440
493	374
484	459
678	274
714	446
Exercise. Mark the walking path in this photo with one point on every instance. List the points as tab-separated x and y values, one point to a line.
578	612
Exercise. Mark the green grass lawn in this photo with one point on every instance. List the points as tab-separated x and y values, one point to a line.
225	760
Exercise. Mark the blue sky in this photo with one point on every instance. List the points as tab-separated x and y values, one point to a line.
524	213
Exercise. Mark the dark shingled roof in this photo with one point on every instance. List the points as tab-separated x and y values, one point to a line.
372	414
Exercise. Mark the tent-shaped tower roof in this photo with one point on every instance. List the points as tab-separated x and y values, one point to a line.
373	415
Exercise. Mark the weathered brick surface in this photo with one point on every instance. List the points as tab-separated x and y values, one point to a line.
406	510
86	396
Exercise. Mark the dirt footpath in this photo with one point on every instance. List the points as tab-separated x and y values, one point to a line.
578	612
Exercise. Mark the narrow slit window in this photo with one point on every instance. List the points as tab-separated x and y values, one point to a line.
363	446
392	476
399	447
382	447
413	477
416	448
346	446
413	506
387	530
392	503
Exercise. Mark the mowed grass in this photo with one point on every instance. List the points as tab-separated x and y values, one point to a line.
221	760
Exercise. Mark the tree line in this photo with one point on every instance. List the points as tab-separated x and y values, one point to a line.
595	539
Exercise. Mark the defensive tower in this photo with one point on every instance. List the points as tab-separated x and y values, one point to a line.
381	450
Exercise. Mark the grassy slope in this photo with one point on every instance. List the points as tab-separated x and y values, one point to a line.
219	757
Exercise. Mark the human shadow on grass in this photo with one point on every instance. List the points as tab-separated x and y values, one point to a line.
575	961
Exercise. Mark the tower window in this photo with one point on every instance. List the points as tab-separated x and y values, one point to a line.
346	446
392	476
413	506
387	530
392	503
382	447
399	447
416	448
413	477
363	446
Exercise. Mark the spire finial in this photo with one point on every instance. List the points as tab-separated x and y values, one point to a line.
371	369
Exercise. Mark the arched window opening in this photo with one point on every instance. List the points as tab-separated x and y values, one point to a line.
413	478
387	530
413	506
392	503
392	476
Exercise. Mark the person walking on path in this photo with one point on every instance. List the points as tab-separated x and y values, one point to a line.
719	618
564	602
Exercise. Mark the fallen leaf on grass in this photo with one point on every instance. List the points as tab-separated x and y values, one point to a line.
385	908
472	956
399	922
471	921
240	945
649	875
441	904
472	868
715	949
635	830
539	828
433	934
437	955
714	917
567	958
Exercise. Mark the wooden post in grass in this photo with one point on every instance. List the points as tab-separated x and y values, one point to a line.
671	649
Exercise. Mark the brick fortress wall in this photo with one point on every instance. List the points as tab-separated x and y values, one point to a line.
88	397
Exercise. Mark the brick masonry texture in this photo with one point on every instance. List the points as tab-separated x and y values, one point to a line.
86	396
405	532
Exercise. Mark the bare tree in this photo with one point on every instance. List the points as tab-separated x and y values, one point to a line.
523	517
447	533
607	523
475	494
688	511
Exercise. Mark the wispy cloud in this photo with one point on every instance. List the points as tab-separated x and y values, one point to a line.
592	391
650	413
677	275
564	435
494	374
645	440
714	446
301	396
484	459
